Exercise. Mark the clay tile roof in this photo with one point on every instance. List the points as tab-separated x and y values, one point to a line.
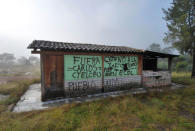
67	46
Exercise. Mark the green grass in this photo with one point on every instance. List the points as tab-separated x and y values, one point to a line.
183	78
14	89
19	70
171	110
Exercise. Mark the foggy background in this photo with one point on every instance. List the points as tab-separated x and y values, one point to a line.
133	23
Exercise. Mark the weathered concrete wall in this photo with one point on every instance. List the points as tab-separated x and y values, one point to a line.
120	72
121	83
83	74
156	79
82	87
117	66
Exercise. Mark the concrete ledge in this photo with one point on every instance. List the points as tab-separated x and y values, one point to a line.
111	94
31	100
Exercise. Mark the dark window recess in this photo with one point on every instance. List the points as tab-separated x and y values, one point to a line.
158	77
150	64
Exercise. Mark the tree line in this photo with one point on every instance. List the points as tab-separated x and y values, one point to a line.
180	20
8	59
183	63
9	64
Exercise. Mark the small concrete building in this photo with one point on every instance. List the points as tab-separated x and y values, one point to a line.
78	69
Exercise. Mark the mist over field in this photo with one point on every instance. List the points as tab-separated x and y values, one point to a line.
22	66
115	88
134	23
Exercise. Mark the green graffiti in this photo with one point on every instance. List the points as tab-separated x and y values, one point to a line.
80	67
120	66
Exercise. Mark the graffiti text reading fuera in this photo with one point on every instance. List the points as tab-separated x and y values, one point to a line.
85	67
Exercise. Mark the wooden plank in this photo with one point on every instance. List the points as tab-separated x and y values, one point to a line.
52	70
45	61
35	52
43	91
49	65
42	70
60	71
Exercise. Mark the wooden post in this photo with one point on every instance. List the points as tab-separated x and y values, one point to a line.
169	64
42	77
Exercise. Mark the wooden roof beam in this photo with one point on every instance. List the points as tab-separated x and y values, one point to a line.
35	51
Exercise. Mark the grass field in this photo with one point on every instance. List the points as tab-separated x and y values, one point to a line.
171	110
14	89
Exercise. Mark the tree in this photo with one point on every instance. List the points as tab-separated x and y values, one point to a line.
168	50
162	62
154	47
157	48
33	60
180	18
181	66
7	59
24	61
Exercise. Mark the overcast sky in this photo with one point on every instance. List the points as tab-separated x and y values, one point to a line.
133	23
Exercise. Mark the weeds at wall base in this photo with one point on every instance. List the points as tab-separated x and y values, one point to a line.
14	89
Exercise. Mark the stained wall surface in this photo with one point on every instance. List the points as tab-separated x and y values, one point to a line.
71	75
156	79
83	73
52	75
120	72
